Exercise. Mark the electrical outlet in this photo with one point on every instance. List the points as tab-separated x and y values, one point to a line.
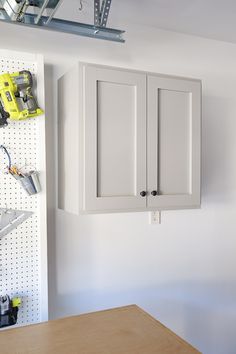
154	217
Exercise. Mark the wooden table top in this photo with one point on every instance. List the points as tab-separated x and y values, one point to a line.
124	330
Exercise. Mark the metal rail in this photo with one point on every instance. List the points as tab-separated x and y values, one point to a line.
96	12
106	5
54	11
37	19
71	27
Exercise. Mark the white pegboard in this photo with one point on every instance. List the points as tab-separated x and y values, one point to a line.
23	252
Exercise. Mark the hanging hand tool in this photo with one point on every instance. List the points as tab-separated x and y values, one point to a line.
5	305
8	310
19	85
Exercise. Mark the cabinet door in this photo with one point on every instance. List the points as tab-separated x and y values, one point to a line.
174	132
114	115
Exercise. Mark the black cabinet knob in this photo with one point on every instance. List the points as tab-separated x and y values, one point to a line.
143	194
154	193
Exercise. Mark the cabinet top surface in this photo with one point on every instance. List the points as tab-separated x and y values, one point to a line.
118	331
149	73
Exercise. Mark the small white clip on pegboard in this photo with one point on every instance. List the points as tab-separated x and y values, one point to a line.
10	219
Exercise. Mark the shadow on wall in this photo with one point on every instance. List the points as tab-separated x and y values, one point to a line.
218	150
202	314
51	185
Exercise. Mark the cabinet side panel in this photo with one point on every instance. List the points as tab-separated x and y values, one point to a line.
116	139
68	174
175	117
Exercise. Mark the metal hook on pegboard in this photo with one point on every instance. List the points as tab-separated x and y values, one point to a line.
29	181
2	147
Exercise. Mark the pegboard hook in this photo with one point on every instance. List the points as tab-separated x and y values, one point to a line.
2	147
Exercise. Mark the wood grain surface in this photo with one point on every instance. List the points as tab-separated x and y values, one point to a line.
124	330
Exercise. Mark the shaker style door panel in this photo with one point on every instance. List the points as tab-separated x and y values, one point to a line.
114	118
174	128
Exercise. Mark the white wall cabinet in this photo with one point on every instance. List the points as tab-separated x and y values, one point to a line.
128	141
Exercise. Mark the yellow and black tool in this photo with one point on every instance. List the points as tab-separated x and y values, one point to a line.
17	97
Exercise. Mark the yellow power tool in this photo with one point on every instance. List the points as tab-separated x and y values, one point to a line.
17	97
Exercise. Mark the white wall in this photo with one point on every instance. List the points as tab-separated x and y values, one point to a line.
183	271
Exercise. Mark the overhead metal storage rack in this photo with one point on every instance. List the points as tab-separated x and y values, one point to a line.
40	14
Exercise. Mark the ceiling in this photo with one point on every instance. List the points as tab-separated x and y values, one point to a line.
207	18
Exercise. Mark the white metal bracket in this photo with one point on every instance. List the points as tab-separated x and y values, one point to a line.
154	217
10	219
